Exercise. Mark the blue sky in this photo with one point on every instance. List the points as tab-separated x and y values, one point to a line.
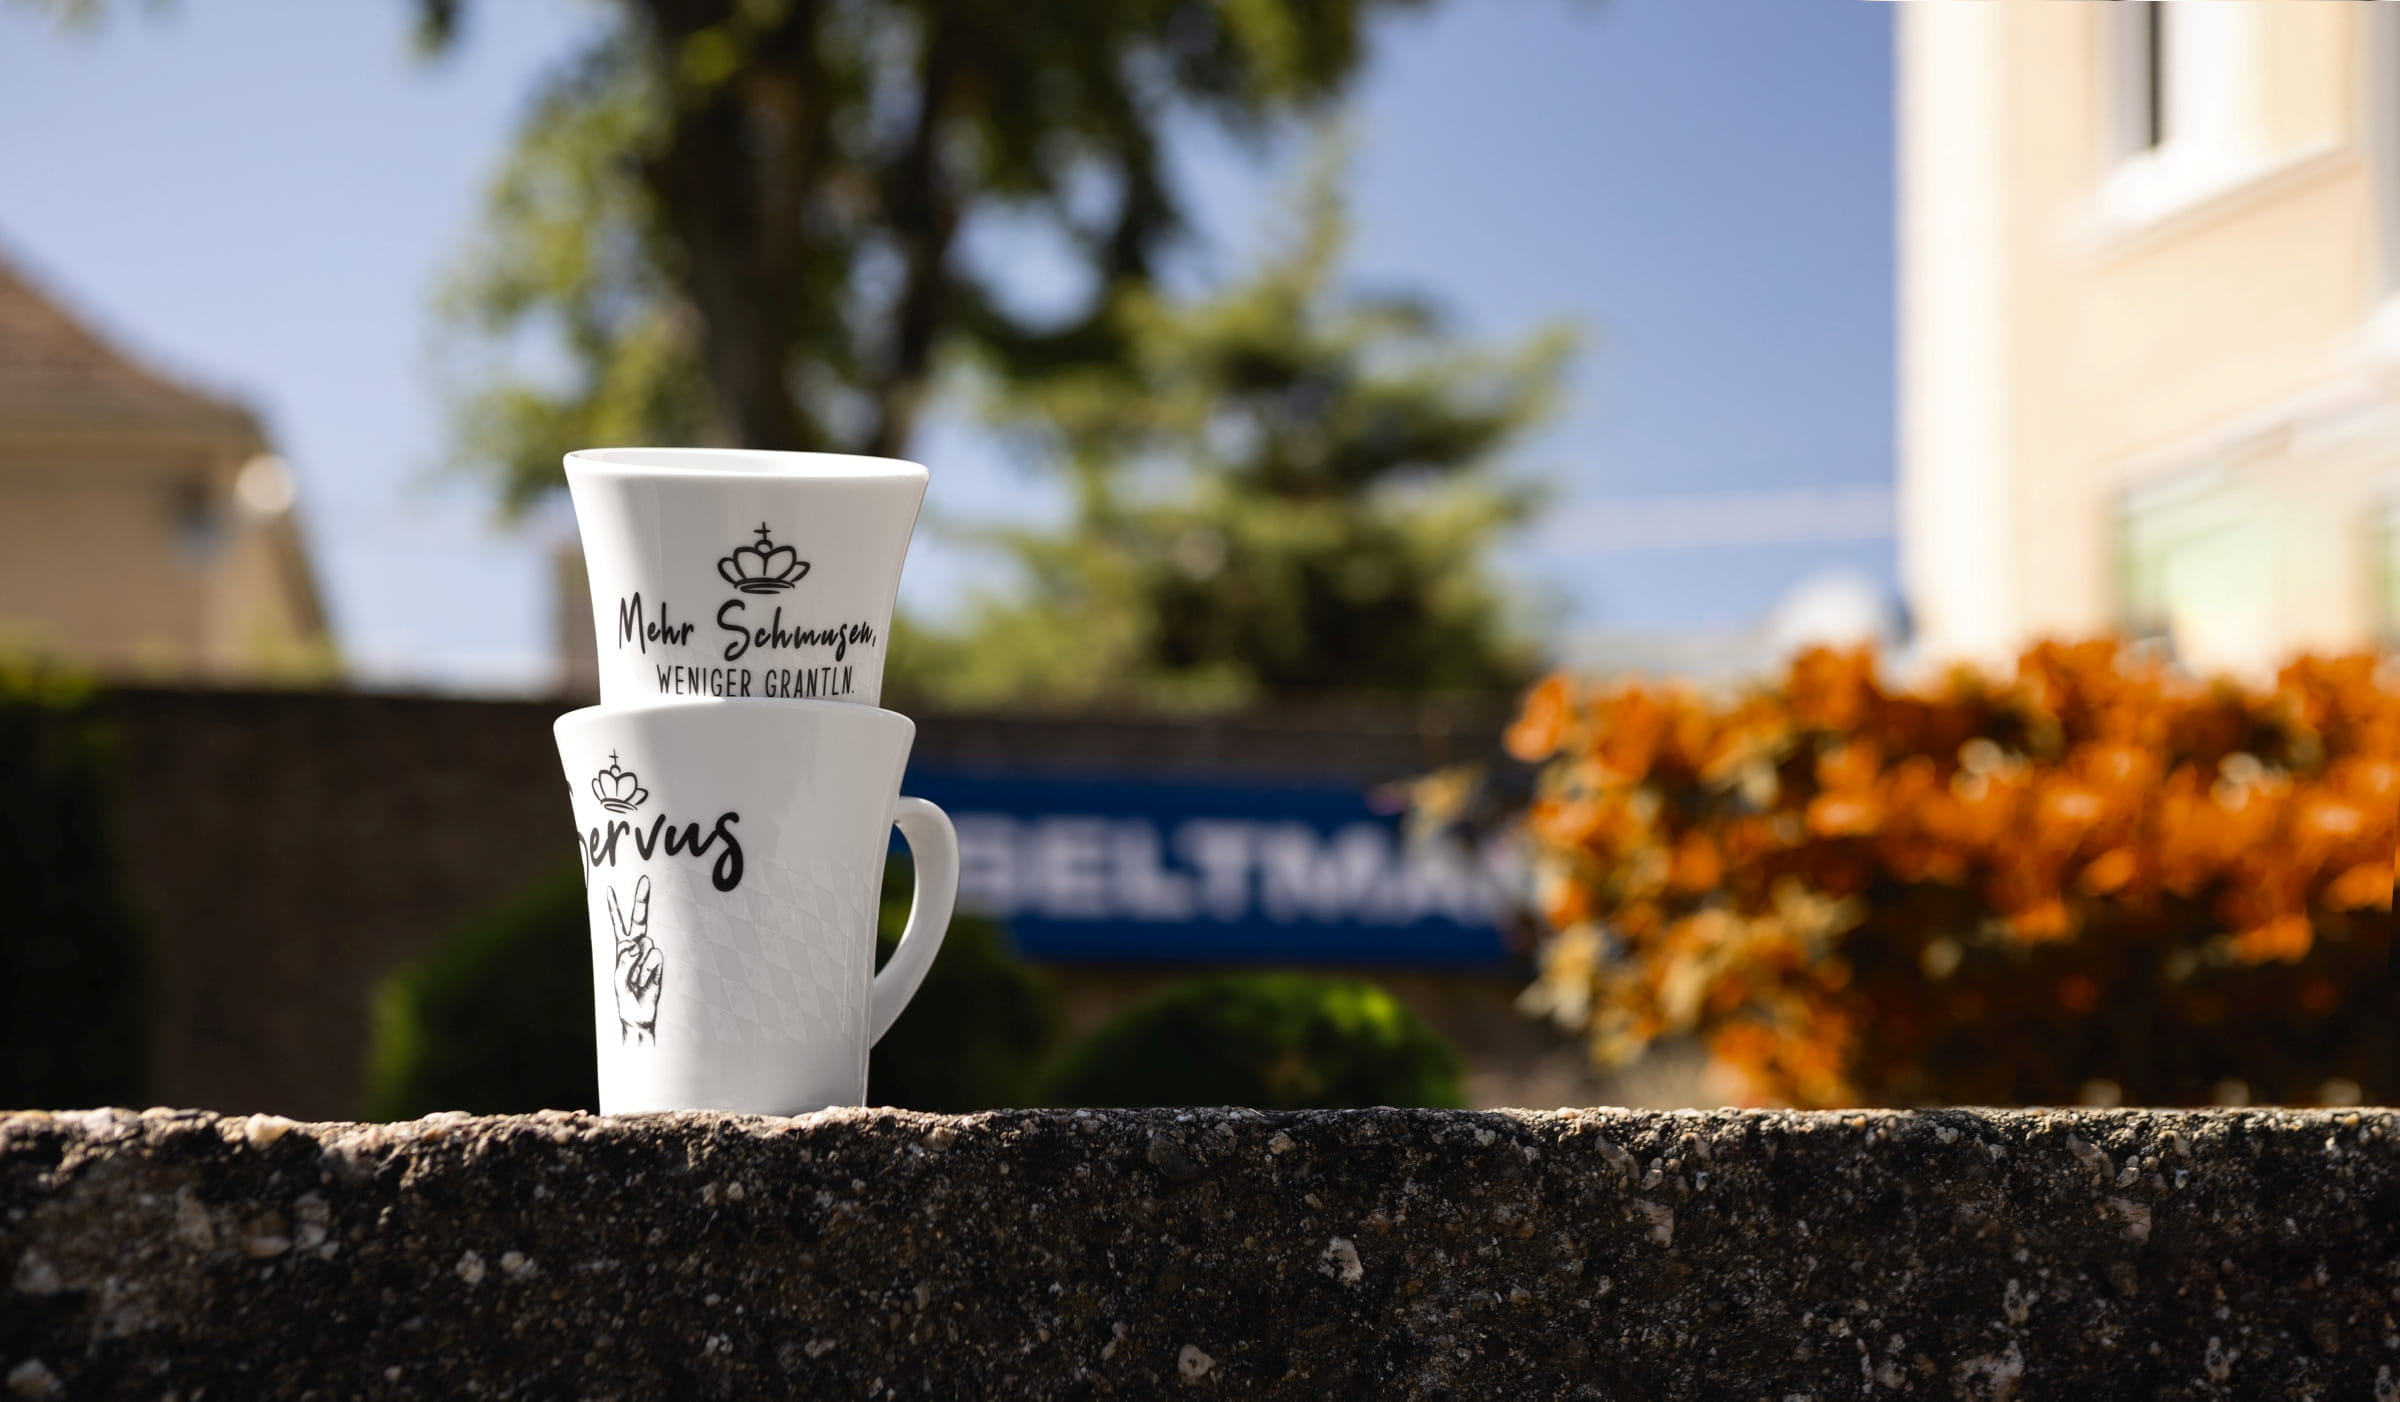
262	197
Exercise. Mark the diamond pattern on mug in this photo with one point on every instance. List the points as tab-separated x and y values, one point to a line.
783	957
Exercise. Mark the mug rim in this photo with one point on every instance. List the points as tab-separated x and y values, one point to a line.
699	706
742	464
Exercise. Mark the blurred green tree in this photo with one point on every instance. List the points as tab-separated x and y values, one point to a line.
1280	488
745	221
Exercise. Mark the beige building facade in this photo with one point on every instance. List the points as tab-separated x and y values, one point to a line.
2150	326
146	529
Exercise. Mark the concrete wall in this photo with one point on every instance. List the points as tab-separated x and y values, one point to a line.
1360	1254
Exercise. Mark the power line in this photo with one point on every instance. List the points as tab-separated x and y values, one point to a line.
1780	516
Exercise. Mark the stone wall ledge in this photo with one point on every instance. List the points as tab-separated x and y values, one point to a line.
1372	1254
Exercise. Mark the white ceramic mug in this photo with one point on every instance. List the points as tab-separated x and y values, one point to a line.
731	573
733	862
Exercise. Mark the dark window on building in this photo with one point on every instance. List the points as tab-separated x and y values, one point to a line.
2137	73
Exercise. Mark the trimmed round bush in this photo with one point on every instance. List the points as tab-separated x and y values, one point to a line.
1270	1041
980	1028
499	1019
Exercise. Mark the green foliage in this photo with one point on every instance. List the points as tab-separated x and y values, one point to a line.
1279	489
746	220
75	972
499	1019
562	252
67	14
1270	1041
980	1028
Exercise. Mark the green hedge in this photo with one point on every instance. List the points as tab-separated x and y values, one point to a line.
499	1018
980	1029
75	965
1271	1041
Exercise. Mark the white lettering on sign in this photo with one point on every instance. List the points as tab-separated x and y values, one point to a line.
1220	848
1305	877
1143	885
1077	867
1068	859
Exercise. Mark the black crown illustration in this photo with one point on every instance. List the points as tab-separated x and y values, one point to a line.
617	789
764	568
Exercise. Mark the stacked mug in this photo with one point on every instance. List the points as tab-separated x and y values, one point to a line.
736	787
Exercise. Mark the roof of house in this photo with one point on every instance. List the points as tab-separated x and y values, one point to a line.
56	373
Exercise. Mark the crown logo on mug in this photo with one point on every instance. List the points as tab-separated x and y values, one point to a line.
618	790
763	568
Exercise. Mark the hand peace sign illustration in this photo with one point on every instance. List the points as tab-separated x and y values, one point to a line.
640	968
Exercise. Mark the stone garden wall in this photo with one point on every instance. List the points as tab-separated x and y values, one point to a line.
1369	1254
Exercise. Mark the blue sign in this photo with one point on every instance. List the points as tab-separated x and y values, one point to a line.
1133	870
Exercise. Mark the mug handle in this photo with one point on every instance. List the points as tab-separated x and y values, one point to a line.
933	844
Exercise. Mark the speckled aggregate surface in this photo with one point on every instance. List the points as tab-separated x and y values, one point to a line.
1370	1254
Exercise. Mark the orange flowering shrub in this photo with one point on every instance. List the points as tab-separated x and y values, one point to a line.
1979	892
